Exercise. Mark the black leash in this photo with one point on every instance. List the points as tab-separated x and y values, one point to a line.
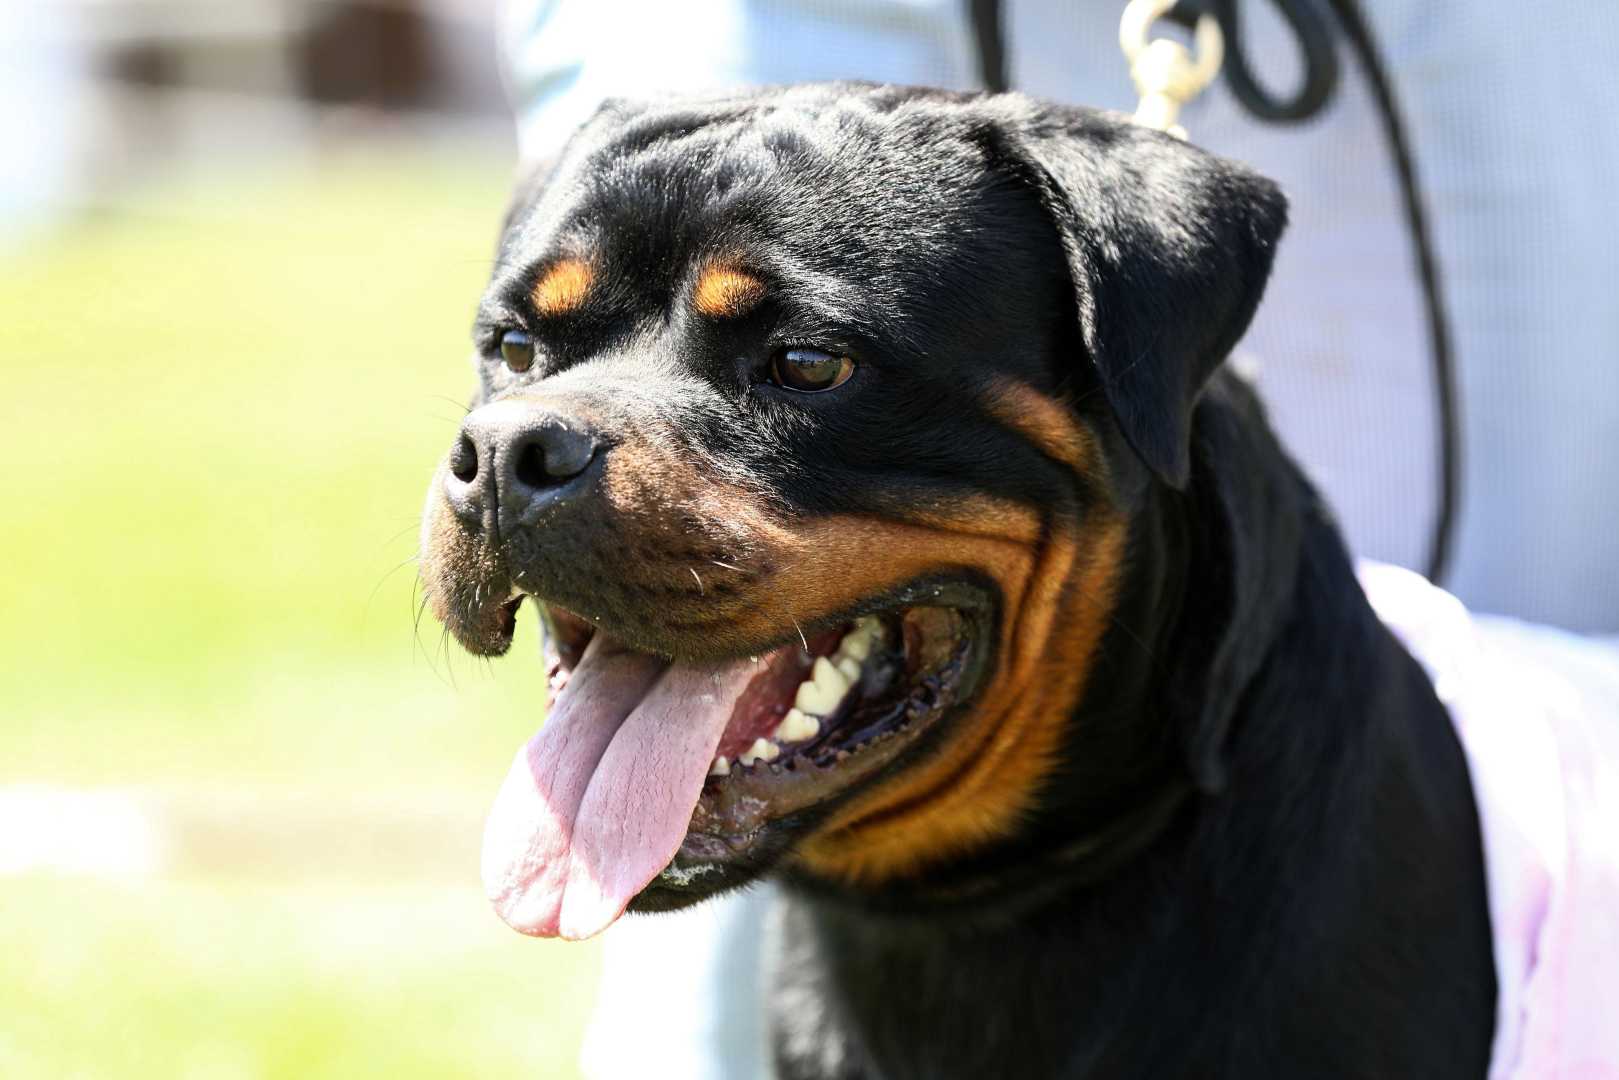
986	20
1446	400
1310	27
1313	27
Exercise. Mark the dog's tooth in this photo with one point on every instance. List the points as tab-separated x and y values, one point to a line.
821	693
786	730
797	725
814	699
856	644
829	678
849	667
720	767
761	750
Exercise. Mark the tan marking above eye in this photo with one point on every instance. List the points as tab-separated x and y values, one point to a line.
724	292
563	287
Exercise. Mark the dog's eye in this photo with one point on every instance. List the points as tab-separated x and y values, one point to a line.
517	349
809	370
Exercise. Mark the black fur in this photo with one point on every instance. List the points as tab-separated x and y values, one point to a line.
1260	855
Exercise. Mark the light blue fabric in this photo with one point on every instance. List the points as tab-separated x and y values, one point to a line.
563	58
1512	111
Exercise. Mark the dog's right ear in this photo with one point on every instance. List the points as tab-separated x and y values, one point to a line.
1168	247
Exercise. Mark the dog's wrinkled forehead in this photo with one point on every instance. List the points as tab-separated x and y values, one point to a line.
962	239
874	203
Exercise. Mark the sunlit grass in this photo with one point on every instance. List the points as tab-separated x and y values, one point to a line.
218	421
219	414
246	980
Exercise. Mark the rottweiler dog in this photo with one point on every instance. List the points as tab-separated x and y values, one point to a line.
868	456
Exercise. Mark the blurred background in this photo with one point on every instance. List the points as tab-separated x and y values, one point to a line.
241	792
242	782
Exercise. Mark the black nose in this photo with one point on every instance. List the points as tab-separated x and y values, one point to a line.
512	460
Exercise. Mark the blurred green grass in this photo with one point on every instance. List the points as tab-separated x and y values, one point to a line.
221	410
242	980
221	406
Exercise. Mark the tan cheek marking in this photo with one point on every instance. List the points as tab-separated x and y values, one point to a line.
724	292
978	786
563	287
794	573
1058	583
1057	589
1046	422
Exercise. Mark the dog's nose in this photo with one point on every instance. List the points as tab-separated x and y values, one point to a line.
514	459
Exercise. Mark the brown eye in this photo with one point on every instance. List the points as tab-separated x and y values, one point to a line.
809	370
517	349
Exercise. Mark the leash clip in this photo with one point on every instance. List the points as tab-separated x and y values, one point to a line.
1167	74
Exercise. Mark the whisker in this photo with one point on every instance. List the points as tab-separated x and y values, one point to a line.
417	645
366	612
449	666
415	523
700	590
416	623
463	406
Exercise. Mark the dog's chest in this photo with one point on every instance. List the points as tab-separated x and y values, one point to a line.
845	1005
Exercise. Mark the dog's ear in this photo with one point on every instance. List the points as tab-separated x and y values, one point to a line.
1168	246
1248	509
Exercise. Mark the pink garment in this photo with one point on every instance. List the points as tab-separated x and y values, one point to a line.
1542	743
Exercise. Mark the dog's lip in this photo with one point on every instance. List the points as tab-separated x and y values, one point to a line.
485	621
736	813
507	625
568	631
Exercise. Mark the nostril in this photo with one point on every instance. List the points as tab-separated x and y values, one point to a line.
531	467
550	457
464	460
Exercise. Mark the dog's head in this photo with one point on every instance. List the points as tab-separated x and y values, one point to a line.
814	422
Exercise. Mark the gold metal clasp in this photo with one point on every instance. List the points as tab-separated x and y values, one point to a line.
1167	74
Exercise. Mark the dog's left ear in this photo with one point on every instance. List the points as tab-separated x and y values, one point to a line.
1168	246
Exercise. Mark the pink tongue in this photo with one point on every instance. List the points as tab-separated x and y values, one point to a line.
598	802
